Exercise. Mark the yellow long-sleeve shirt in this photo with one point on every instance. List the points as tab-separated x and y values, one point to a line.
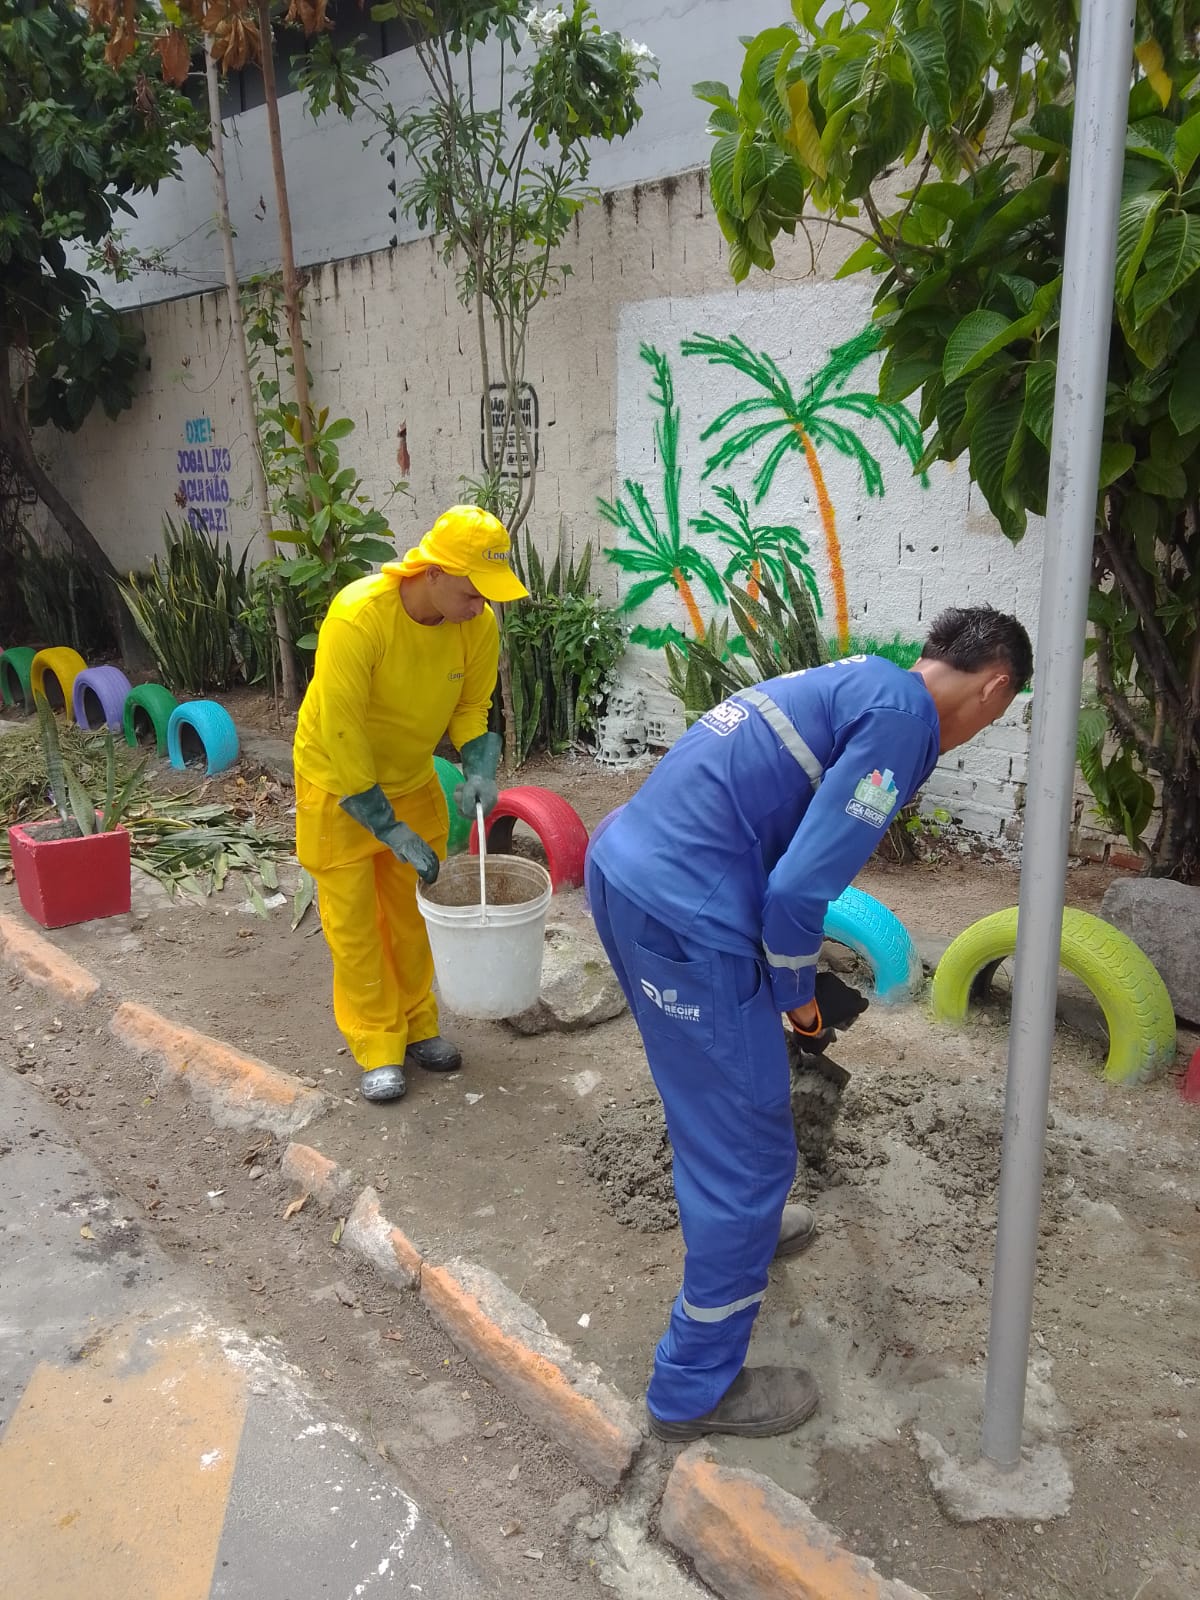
385	690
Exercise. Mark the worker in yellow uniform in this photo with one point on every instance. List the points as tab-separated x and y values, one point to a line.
403	657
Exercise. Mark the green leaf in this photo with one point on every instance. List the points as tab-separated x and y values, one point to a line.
964	25
1135	227
1116	458
714	94
1039	400
926	51
991	441
1171	259
1029	206
303	898
1162	478
1184	403
306	641
374	549
339	429
720	166
978	335
1187	146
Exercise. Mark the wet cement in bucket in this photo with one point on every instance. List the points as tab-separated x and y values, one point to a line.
509	883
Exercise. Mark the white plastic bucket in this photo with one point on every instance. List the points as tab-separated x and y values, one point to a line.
491	968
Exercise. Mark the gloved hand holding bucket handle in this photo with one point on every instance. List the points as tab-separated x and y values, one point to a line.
480	761
372	810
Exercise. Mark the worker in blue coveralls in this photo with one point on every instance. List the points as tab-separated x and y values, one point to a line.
709	892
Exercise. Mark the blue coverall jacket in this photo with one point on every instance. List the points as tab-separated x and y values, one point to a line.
709	892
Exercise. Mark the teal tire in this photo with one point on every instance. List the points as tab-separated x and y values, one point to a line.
866	926
1134	999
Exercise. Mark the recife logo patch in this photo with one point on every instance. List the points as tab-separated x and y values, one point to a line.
667	1001
723	719
874	798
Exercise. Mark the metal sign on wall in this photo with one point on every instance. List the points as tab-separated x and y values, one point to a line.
520	454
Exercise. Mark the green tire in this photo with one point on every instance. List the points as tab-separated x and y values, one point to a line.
450	777
1134	999
155	703
16	676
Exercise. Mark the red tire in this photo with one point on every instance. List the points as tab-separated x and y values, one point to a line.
555	821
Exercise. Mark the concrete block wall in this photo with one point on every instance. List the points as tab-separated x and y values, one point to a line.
391	346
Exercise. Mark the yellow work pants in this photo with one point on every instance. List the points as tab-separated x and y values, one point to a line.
382	966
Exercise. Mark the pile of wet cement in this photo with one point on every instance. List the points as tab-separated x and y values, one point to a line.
628	1153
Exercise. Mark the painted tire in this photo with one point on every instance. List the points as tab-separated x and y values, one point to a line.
157	705
450	777
556	823
866	926
596	832
1134	999
102	690
63	665
214	728
16	675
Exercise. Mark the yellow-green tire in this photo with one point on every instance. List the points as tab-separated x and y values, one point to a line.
1134	999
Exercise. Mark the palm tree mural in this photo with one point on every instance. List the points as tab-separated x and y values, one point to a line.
757	547
823	413
657	550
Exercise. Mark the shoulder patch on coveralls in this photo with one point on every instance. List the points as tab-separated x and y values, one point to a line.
723	719
874	798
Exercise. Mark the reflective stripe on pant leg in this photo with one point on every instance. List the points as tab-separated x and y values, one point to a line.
719	1313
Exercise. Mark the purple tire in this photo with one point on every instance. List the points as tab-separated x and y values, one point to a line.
98	699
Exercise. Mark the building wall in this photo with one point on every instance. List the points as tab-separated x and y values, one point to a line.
338	184
391	347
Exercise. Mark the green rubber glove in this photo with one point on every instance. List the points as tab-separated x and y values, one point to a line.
372	810
480	759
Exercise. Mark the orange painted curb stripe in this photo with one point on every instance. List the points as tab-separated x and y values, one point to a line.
44	964
240	1084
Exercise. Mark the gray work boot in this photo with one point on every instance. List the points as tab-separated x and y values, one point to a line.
435	1055
760	1401
796	1232
383	1083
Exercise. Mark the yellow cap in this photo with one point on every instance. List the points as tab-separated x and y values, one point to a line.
467	542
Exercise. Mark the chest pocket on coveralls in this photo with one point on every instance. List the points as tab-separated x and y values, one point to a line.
674	997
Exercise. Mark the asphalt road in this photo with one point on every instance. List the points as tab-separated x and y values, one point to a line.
151	1450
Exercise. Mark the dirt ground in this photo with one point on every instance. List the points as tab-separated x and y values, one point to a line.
889	1308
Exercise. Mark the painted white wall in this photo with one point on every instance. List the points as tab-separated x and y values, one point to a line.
338	189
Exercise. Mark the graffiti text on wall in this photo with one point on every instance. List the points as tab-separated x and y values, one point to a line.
203	477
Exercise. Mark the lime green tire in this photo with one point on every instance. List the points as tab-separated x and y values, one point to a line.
1134	999
450	777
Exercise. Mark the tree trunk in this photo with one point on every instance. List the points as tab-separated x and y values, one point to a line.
287	255
16	441
262	504
833	548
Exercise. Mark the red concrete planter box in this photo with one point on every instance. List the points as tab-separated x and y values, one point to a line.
62	881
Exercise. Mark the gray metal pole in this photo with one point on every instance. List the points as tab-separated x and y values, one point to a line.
1097	155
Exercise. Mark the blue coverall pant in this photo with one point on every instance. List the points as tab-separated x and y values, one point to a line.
715	1044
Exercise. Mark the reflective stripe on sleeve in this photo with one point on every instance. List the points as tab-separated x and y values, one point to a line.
779	722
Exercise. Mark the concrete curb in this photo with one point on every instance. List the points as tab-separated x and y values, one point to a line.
371	1237
751	1540
314	1173
37	960
513	1348
239	1091
748	1538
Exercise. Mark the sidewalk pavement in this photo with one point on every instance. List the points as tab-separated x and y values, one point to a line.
148	1449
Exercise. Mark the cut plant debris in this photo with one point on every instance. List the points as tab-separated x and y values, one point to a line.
187	842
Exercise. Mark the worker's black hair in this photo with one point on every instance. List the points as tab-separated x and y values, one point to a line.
974	637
